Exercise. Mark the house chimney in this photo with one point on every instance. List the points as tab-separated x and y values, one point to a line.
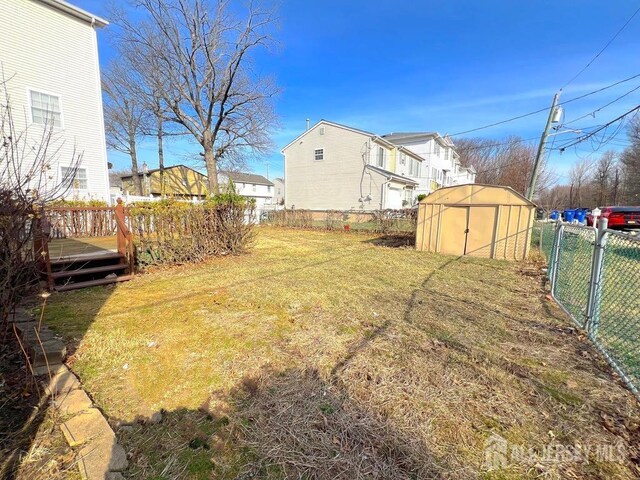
307	124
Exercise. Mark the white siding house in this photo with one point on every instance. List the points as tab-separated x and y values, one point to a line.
442	163
49	60
278	191
250	185
336	167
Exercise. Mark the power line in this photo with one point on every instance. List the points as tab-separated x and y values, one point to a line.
546	108
598	129
602	50
491	145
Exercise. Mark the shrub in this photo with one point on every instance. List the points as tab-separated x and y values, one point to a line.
172	232
291	218
378	221
18	265
77	203
422	196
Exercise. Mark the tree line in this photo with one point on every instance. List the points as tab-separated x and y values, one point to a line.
611	178
186	68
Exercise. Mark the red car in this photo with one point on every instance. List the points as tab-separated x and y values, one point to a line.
619	217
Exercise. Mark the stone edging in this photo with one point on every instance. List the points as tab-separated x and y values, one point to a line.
100	457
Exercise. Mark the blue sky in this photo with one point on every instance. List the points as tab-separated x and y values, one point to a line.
447	66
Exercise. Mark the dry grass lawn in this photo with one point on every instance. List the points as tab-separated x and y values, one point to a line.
325	355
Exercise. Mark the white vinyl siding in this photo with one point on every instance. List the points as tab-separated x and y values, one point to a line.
49	59
45	109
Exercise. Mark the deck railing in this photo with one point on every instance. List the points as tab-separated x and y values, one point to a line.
78	222
125	236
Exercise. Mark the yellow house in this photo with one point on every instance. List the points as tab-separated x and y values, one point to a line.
174	181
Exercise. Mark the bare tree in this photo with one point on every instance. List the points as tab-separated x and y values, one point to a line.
124	113
196	56
579	175
630	160
603	176
503	162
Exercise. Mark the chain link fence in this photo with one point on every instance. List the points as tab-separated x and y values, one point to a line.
595	278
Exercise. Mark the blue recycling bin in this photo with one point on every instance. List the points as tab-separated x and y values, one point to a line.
554	215
569	215
581	216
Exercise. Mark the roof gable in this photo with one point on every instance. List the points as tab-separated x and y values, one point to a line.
331	124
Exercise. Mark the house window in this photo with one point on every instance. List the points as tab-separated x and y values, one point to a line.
416	172
253	187
446	154
318	154
436	149
403	159
80	179
321	130
45	109
269	188
380	159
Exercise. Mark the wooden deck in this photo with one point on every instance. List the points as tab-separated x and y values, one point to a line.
79	247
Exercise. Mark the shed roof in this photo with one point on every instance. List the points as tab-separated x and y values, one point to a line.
476	194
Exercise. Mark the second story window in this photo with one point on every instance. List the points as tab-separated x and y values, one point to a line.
318	154
253	187
436	149
446	153
381	157
45	109
403	159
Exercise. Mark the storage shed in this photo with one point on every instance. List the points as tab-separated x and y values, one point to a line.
478	220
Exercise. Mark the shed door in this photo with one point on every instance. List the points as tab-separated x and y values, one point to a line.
482	227
453	230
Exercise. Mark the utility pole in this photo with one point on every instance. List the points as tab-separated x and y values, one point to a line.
543	141
267	162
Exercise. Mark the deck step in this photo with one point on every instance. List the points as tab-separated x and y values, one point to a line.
88	271
87	258
92	283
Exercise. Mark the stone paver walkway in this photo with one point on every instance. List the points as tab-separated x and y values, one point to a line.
86	430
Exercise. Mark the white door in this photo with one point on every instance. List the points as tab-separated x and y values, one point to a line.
394	198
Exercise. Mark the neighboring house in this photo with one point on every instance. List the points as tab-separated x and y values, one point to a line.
115	185
49	60
442	163
249	185
278	191
176	181
336	167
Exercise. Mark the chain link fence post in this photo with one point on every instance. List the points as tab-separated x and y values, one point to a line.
593	299
555	253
